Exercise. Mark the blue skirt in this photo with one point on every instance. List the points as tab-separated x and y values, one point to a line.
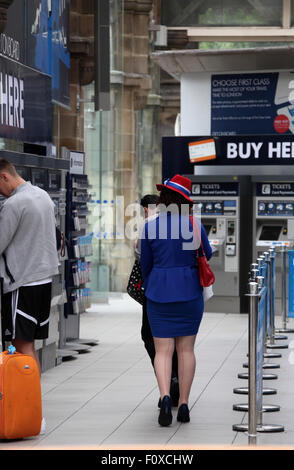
170	320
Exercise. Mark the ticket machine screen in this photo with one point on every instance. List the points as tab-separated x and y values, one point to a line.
270	232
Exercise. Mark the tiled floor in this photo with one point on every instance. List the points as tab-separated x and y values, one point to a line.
108	397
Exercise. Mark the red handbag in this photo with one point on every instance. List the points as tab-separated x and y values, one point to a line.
205	272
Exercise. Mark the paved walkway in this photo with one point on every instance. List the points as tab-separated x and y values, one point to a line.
108	396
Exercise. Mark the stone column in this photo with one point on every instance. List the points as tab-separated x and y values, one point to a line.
70	122
136	83
4	5
170	87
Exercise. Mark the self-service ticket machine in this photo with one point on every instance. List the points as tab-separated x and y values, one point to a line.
218	203
273	211
51	180
49	174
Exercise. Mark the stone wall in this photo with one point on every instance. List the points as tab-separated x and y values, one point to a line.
4	5
69	123
136	84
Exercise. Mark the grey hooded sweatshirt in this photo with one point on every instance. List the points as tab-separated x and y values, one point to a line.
27	237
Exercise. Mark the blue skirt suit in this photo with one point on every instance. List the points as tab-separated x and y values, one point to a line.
171	282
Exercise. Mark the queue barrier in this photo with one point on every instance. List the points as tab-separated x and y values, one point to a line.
291	283
262	335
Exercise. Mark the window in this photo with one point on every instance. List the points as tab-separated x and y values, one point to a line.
222	12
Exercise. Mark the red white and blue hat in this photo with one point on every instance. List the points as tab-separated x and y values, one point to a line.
180	184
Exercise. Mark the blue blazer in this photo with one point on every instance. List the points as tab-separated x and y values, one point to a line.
169	261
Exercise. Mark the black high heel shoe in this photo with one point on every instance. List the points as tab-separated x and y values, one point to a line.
183	414
165	416
174	392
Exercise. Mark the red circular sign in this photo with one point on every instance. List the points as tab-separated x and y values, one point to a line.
281	123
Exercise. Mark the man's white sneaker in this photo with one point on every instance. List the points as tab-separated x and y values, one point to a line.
43	427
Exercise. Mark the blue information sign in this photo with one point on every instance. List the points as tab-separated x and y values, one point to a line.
251	103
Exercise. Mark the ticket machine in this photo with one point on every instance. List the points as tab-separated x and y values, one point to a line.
273	211
218	203
49	174
273	206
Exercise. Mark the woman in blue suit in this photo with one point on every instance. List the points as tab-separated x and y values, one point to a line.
173	291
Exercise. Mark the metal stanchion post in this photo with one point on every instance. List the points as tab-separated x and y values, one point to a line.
252	421
284	328
253	274
268	261
252	322
272	344
259	406
267	284
283	288
260	282
268	365
260	349
280	337
255	409
244	406
244	390
272	300
253	270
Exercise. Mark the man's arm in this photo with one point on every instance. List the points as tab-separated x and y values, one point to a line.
9	222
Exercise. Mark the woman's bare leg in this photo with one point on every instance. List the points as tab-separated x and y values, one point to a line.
164	349
186	365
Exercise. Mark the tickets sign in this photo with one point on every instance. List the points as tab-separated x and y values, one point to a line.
202	150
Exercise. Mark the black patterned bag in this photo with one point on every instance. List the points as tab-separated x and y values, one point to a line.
134	288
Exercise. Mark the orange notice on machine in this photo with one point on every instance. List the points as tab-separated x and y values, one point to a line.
202	150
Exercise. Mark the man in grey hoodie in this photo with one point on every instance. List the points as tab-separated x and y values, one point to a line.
28	260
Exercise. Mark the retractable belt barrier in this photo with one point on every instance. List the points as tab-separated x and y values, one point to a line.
262	335
291	287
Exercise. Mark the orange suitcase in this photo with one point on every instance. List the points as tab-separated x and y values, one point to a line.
20	396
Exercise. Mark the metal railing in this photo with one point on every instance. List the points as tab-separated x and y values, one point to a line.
262	335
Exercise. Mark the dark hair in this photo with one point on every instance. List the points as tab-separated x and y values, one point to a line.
5	165
149	199
168	196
